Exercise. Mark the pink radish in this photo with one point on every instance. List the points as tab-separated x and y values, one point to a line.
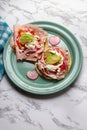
54	40
32	75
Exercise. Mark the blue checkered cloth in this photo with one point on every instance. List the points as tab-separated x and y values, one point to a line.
5	33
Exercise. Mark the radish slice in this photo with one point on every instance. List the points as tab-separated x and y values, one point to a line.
54	40
32	75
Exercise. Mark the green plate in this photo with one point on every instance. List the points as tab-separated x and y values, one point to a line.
16	71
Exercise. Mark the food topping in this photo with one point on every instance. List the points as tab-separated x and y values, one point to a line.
52	57
31	43
32	75
26	38
54	40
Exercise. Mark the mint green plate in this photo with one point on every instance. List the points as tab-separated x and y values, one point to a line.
16	71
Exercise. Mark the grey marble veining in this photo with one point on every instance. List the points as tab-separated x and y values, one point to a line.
66	110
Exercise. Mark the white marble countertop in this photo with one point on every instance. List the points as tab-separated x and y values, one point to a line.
61	111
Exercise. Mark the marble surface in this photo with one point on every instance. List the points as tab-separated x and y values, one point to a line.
62	111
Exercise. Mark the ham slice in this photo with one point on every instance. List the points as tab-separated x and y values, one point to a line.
63	67
22	52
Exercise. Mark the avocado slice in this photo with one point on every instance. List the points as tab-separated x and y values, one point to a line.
52	58
25	38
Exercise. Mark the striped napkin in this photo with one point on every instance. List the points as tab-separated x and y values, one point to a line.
5	33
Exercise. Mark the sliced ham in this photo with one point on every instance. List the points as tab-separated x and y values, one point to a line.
59	72
22	52
12	43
